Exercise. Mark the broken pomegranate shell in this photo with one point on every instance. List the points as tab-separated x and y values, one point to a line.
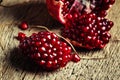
55	9
62	10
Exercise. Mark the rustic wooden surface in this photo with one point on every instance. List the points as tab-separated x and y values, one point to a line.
13	66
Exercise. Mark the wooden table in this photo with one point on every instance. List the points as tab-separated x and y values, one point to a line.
14	67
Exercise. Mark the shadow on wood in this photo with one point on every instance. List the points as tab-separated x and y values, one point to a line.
34	14
20	61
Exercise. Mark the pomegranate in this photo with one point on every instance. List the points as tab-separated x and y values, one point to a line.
47	50
84	21
62	10
92	32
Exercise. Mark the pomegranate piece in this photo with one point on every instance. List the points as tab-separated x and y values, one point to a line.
90	31
75	57
85	25
62	10
46	49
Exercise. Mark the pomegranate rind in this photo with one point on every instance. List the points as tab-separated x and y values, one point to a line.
54	9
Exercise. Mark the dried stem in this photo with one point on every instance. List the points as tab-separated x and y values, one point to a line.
58	36
93	58
84	58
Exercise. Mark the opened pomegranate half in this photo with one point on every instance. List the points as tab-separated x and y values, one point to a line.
84	21
62	10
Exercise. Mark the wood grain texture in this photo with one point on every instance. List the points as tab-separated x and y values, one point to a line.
8	3
13	66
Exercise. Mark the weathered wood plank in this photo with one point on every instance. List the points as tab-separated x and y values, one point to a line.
13	66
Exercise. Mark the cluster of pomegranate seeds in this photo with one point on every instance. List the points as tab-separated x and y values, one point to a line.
89	30
102	6
46	49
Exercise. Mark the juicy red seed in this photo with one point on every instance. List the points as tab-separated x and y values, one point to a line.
112	1
85	29
111	23
75	57
49	64
43	40
36	56
42	49
59	60
54	54
21	35
60	53
42	62
69	16
63	44
48	37
46	45
49	51
69	49
51	57
24	26
38	43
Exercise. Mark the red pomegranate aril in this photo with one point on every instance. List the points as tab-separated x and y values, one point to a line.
46	45
38	43
60	53
111	23
43	40
75	58
106	1
63	64
36	56
23	26
49	51
112	1
44	55
106	35
21	35
69	16
42	62
88	38
85	29
42	49
49	56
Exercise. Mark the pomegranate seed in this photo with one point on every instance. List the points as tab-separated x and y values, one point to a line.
23	26
75	57
21	35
